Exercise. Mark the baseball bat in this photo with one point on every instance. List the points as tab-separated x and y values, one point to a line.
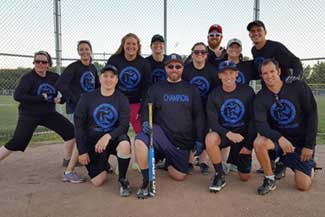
151	160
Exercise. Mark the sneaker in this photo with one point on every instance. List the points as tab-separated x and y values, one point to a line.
204	168
217	183
268	185
280	170
233	168
190	168
124	188
72	177
162	165
143	193
225	168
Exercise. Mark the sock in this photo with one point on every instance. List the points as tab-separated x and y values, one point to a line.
67	172
123	164
272	177
218	168
145	175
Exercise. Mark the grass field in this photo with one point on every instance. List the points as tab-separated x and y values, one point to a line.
9	111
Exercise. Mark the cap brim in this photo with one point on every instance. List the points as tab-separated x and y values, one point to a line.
232	68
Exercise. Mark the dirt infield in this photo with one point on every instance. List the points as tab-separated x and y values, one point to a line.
31	187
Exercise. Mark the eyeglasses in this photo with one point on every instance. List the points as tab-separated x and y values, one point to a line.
170	66
214	34
41	61
198	52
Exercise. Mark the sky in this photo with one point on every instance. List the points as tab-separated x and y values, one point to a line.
28	26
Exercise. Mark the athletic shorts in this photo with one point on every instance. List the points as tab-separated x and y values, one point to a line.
134	118
99	161
26	126
176	157
292	160
242	161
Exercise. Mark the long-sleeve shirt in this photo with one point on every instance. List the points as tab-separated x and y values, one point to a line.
291	113
76	80
30	90
204	79
97	115
232	111
286	59
158	72
134	76
246	72
177	109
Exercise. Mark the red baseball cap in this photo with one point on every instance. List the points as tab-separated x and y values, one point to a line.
215	27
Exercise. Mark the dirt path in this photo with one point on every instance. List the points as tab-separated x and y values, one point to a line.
31	187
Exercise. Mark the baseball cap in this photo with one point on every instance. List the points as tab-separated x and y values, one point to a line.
215	27
109	67
228	64
157	38
234	41
174	58
255	23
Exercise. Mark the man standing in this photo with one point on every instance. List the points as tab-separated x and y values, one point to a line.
157	58
291	68
178	123
286	120
230	113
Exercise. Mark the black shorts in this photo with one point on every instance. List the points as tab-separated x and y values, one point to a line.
98	161
26	126
242	161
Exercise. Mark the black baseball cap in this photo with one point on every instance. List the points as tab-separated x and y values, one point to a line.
227	64
255	23
174	58
109	67
157	37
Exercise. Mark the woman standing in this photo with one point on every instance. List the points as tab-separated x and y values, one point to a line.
134	74
37	96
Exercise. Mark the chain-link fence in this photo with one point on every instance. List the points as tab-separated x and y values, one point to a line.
28	26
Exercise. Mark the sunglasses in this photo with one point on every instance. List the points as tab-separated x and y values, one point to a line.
41	61
197	52
170	66
214	34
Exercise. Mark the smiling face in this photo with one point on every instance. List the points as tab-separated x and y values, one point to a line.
214	39
157	47
228	78
234	50
41	63
131	47
108	80
84	51
199	54
257	34
174	71
271	75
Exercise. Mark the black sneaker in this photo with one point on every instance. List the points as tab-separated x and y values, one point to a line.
280	170
143	192
268	185
204	168
162	165
124	188
217	183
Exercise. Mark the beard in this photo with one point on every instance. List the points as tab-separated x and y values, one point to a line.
213	44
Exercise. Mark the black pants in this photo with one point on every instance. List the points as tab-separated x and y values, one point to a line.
27	124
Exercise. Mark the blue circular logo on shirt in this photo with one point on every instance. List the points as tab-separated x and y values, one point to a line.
48	89
158	75
202	84
283	112
232	110
105	116
129	78
240	78
87	81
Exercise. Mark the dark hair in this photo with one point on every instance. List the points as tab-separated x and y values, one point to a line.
120	50
267	61
199	43
44	53
84	42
